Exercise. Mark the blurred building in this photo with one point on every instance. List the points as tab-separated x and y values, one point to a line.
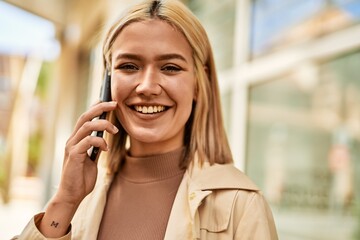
290	89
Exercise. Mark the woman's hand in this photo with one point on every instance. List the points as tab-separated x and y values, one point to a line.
79	172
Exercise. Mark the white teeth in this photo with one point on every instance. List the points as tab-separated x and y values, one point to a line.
149	109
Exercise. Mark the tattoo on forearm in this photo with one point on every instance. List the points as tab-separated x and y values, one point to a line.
54	224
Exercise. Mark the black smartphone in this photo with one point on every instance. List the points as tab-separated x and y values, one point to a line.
105	96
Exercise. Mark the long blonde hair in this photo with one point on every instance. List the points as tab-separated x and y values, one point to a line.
204	131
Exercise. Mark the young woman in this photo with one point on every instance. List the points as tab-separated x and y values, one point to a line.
167	171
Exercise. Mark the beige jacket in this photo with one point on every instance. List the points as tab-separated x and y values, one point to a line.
213	203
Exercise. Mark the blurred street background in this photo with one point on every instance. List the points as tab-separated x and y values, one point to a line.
289	74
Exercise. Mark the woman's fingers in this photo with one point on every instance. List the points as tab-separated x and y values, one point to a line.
88	122
94	112
88	127
80	149
81	139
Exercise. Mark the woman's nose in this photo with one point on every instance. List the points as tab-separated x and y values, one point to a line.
149	83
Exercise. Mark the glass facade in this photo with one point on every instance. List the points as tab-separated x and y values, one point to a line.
303	148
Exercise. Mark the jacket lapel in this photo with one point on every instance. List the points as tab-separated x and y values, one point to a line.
180	222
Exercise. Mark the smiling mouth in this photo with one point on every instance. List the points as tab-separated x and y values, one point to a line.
149	109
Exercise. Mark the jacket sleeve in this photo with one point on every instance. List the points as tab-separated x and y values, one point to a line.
32	232
257	221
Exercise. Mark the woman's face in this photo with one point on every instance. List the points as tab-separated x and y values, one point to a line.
153	83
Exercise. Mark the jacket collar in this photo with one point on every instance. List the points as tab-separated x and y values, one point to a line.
208	177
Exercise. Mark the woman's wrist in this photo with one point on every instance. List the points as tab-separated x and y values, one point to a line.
57	218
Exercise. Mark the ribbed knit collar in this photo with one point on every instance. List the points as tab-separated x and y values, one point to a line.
152	168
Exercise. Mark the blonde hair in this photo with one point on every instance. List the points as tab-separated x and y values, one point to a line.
204	131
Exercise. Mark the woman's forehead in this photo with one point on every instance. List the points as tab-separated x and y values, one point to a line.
152	36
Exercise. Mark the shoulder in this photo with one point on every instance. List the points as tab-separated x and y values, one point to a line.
221	176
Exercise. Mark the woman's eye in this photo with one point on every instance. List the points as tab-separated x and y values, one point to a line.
171	68
128	67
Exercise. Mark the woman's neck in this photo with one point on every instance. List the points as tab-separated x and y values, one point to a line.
141	149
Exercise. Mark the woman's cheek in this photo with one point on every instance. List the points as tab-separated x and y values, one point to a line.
117	90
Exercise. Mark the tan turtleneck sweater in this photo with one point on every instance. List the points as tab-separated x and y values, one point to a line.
141	196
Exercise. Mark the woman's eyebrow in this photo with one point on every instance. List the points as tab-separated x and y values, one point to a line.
128	56
170	56
161	57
